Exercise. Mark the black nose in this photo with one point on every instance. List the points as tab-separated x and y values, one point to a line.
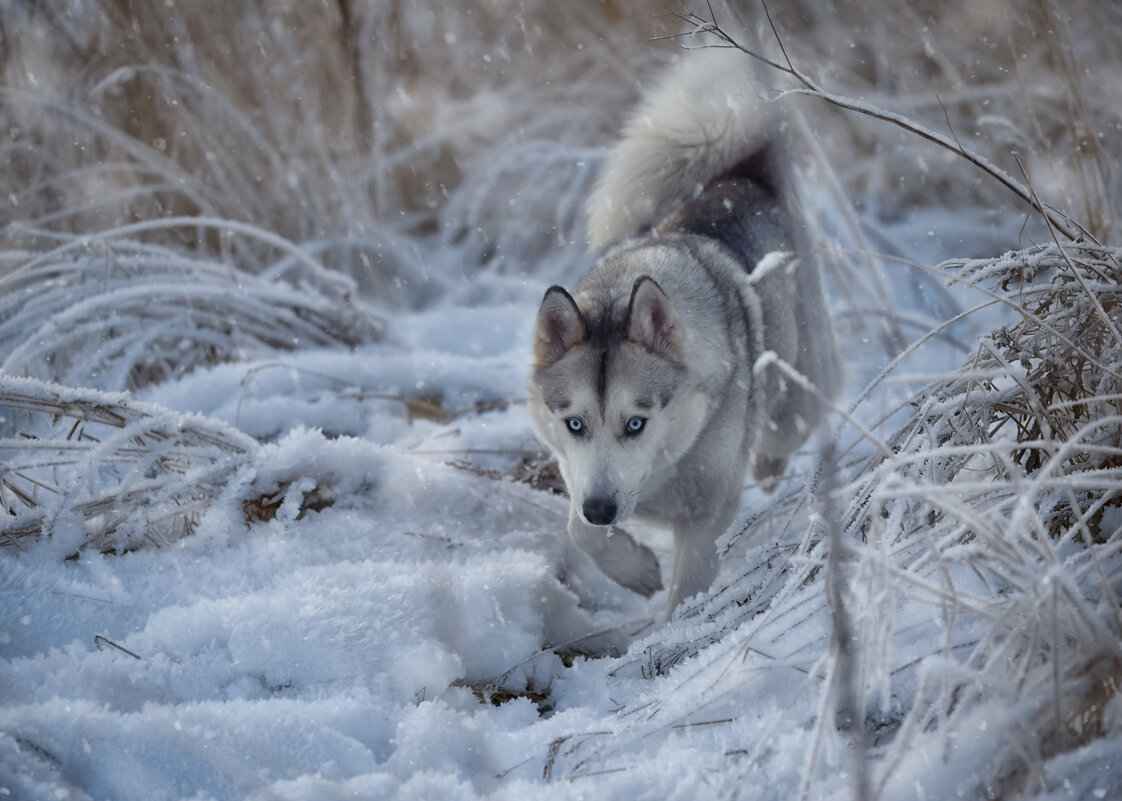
600	511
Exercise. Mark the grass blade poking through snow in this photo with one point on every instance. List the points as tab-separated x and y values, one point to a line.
91	469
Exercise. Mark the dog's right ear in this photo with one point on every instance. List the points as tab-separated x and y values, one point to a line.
560	327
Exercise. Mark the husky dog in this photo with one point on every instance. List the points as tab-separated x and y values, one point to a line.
655	381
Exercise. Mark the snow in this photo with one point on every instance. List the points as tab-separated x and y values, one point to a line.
319	652
392	622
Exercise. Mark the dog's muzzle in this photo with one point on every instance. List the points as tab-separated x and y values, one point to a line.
600	511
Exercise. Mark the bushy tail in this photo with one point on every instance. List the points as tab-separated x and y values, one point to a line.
703	118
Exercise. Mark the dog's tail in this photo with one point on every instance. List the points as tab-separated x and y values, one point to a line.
701	120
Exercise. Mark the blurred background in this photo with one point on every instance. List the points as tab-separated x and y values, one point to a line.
189	183
405	143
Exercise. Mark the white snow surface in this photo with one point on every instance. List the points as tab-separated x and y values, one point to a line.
352	648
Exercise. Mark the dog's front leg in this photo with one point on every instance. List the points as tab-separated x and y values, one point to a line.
695	560
618	556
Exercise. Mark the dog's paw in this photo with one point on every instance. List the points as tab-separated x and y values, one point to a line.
768	470
631	564
619	556
645	577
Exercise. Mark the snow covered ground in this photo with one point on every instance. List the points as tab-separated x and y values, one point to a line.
265	537
361	609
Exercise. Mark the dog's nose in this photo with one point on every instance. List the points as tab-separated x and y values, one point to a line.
600	511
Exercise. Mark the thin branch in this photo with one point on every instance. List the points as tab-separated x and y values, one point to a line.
849	708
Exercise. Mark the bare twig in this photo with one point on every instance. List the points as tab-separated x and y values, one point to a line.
98	640
842	638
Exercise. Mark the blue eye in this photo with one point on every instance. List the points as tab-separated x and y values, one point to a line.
575	425
636	425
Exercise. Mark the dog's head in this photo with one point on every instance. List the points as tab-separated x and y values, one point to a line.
611	395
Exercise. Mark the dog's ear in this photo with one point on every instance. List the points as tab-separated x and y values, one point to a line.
560	326
651	320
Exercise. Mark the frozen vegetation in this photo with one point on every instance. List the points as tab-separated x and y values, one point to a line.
272	521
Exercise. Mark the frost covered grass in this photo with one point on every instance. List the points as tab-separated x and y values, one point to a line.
272	521
91	470
109	311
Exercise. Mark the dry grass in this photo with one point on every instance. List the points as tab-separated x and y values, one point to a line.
102	471
346	127
112	312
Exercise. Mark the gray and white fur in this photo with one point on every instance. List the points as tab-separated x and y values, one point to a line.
654	382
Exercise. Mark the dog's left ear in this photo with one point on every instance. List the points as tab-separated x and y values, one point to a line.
560	326
651	320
